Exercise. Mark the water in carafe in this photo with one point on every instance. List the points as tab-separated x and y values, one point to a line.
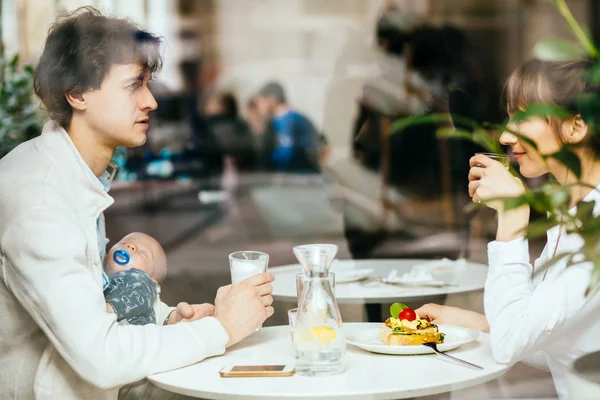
318	337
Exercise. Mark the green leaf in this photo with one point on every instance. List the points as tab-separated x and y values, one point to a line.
550	198
588	105
464	121
540	110
592	225
560	199
579	33
585	210
558	50
396	308
14	62
520	136
19	115
486	140
515	202
419	120
569	159
538	229
454	133
472	207
593	75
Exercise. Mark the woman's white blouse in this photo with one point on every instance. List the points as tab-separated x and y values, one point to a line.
533	315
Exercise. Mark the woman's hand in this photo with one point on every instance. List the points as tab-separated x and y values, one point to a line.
489	179
446	315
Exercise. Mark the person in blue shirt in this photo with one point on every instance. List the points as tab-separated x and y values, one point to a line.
292	140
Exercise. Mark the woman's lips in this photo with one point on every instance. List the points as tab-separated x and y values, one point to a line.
518	155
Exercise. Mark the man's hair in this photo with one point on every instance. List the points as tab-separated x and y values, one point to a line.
273	89
79	52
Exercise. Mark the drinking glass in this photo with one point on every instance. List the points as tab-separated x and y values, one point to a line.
502	158
247	263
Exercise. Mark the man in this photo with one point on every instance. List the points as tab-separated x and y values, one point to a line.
295	145
58	341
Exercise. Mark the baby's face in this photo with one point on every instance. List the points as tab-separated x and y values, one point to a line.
144	253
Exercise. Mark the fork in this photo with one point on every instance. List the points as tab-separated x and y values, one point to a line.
433	346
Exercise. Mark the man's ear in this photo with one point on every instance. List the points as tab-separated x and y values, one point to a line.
575	130
76	100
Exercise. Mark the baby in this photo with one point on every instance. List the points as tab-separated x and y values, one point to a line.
135	266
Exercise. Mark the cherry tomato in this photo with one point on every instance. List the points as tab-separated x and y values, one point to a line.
408	314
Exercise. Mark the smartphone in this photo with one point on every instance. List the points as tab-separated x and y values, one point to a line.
235	371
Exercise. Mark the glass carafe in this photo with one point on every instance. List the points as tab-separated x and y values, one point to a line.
318	337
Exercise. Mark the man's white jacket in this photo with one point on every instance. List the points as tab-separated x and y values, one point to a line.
56	339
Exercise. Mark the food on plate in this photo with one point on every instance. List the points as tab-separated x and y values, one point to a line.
406	328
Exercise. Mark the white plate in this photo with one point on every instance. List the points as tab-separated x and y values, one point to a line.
351	275
410	282
366	336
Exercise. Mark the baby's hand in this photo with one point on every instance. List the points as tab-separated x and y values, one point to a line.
186	312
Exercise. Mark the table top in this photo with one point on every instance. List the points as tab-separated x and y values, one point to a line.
467	279
367	375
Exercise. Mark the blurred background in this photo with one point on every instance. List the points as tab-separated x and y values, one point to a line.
273	129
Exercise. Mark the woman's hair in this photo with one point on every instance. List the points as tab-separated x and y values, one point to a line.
558	83
79	52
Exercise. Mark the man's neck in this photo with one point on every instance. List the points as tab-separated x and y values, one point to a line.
95	153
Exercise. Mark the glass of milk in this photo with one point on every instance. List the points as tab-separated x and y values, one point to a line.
247	263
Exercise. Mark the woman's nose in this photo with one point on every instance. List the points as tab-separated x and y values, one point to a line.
508	139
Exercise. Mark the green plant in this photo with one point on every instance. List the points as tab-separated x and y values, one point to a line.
20	118
551	198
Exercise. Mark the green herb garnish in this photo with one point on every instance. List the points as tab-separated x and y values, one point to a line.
396	308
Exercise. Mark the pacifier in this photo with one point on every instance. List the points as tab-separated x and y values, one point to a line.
121	257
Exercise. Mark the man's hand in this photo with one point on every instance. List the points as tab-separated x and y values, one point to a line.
190	312
242	308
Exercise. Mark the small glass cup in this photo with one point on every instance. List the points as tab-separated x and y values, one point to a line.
300	283
502	158
247	263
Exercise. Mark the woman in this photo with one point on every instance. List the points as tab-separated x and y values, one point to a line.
526	316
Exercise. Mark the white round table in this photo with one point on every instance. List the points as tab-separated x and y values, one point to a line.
470	278
367	375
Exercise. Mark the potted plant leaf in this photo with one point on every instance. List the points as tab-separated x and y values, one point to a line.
20	118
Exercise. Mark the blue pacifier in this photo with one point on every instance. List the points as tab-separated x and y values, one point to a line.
121	257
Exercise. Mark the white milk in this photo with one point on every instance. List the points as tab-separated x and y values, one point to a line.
244	269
